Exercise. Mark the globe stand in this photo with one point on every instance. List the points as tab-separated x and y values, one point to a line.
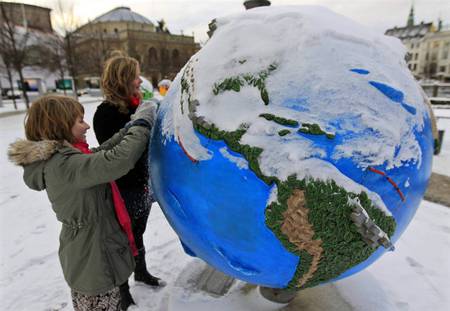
278	295
214	282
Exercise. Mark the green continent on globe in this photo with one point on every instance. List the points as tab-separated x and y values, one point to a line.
278	120
257	80
313	219
314	129
284	132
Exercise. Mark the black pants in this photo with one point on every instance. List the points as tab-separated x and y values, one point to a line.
138	204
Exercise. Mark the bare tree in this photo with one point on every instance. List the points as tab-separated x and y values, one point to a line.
14	40
7	65
97	53
66	24
47	51
56	60
103	52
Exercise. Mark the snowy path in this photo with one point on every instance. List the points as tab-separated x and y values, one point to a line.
414	277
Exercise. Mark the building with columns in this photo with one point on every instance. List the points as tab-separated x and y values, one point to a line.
160	53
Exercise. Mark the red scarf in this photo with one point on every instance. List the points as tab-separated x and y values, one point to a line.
134	101
119	204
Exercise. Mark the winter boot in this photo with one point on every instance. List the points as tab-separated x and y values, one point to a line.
125	296
141	274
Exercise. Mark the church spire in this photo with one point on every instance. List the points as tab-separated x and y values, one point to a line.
410	22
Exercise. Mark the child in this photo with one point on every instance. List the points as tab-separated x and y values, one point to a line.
95	252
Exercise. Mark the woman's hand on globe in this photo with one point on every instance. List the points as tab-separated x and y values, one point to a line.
145	111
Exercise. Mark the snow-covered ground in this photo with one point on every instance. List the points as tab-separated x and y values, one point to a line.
414	277
441	163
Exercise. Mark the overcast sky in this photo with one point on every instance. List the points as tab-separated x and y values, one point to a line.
194	15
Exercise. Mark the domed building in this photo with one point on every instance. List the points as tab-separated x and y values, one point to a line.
160	53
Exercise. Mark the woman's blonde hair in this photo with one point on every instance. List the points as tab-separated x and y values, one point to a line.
52	117
118	74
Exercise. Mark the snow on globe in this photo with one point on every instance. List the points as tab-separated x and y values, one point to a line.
293	149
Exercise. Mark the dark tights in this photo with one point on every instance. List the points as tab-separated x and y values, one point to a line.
138	205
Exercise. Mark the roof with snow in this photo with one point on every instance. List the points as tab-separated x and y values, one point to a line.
122	14
408	32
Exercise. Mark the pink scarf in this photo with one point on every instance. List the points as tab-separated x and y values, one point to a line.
119	204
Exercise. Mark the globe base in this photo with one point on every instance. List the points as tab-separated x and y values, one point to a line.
278	295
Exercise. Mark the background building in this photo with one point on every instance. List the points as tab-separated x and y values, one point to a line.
35	42
31	16
428	48
436	64
160	53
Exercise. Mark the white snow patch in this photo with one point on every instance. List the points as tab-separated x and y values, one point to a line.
178	126
240	162
407	183
273	197
231	109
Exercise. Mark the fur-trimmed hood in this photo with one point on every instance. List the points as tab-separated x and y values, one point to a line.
31	155
24	152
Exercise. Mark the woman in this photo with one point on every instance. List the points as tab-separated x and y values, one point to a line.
121	88
95	250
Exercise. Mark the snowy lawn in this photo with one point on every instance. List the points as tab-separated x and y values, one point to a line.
441	163
414	277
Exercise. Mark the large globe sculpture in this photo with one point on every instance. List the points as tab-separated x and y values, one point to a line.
293	149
